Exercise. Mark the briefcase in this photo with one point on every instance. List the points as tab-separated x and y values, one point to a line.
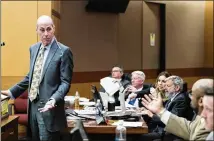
4	106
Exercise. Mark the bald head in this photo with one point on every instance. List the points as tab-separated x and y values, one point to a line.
203	85
44	20
45	29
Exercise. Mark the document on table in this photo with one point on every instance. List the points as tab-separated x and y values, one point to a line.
129	124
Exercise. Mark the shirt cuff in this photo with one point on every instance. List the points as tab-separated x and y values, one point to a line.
165	116
11	95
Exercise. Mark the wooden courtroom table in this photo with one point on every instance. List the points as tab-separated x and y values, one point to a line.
9	129
92	128
107	132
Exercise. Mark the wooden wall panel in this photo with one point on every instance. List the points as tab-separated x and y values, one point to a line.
84	86
208	35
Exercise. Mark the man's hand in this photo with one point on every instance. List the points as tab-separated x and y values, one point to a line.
132	96
153	104
5	92
49	105
132	89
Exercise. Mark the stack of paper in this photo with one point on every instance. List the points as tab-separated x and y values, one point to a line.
110	85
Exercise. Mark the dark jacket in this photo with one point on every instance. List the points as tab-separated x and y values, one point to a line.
179	106
55	83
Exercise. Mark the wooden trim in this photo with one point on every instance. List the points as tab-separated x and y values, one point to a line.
192	72
95	76
56	13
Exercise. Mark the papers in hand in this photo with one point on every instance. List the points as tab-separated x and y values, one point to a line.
129	124
110	85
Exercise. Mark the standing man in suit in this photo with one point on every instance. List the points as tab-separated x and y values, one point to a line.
48	81
188	130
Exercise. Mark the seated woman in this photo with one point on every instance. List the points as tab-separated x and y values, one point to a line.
159	86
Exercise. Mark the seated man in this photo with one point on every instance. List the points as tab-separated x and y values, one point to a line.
178	104
119	76
137	89
188	130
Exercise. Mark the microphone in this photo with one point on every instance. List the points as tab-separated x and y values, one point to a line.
2	44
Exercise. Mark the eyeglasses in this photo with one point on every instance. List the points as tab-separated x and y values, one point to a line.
190	93
115	71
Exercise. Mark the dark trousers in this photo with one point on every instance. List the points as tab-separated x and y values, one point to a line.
38	129
151	136
157	137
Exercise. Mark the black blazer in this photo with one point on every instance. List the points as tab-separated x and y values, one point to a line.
179	106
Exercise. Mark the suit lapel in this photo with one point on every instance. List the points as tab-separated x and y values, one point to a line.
34	53
51	53
168	104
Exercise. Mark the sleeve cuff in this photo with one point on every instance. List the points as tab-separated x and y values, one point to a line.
11	95
165	116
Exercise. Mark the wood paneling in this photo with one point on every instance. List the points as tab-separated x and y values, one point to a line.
82	81
208	34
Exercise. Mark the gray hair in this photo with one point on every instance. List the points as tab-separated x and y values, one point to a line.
177	81
140	74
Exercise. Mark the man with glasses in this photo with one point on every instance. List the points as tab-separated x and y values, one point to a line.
137	89
178	104
188	130
120	79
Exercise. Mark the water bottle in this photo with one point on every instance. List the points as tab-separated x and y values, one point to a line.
98	107
120	132
111	103
76	101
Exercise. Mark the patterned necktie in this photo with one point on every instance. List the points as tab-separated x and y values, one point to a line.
37	74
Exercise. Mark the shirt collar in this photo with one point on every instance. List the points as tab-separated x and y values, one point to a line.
140	89
173	97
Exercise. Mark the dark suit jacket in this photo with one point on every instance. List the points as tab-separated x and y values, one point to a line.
55	83
179	106
124	83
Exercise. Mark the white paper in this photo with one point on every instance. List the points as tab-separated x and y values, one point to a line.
104	96
85	112
129	124
83	99
110	85
87	103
